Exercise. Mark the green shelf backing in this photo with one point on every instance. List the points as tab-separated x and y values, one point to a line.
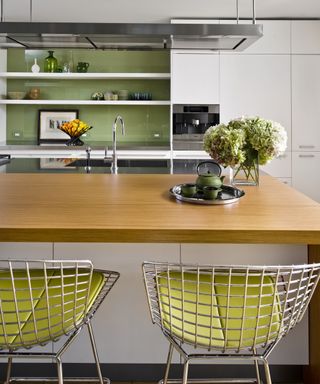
144	123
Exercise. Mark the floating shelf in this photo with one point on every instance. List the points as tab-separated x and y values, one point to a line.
84	102
84	76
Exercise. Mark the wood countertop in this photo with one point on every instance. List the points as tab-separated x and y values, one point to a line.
138	208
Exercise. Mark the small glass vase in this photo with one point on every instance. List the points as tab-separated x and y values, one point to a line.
246	173
50	63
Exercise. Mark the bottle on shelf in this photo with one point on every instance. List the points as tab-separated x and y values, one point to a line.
50	63
35	68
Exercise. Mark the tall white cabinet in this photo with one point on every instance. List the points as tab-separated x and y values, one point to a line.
305	107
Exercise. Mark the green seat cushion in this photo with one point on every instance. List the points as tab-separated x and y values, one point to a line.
194	310
197	324
8	314
65	311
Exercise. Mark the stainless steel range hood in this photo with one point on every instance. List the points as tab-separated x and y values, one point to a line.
36	35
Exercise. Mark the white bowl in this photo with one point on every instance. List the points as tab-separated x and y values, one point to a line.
17	95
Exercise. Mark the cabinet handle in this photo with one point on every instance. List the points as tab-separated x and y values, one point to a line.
306	146
306	155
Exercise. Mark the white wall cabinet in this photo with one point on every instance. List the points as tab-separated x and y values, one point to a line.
305	37
194	78
305	102
276	38
256	85
305	173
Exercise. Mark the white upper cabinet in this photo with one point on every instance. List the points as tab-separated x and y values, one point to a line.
194	78
305	103
306	37
275	39
256	85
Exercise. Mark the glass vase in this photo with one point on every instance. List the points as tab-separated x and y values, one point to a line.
50	63
246	173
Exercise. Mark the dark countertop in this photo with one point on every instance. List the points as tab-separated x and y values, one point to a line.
76	165
99	145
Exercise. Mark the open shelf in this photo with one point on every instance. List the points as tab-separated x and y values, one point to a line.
84	76
84	102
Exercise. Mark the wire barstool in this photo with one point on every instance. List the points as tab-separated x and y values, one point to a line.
227	312
44	300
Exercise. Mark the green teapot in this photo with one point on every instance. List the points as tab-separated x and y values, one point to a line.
209	175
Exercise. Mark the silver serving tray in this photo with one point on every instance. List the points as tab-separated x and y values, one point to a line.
228	195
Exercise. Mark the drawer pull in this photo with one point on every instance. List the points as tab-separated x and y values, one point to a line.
306	146
306	155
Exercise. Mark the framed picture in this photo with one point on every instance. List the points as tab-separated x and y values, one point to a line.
49	122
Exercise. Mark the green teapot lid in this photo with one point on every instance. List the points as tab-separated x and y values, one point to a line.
208	167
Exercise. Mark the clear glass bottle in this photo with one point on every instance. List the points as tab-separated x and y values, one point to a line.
50	63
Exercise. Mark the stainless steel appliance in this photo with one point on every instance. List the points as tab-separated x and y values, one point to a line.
189	124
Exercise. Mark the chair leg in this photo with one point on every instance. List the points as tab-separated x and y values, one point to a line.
267	372
8	375
95	352
169	358
59	368
185	372
256	363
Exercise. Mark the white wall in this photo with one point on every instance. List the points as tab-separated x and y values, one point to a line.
152	11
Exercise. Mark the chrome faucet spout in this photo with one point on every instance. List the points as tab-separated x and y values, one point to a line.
114	165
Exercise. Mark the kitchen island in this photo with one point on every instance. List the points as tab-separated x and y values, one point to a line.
101	208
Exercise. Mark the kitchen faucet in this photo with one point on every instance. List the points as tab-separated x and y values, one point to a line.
114	165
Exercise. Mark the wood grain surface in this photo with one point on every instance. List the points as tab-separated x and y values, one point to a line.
138	208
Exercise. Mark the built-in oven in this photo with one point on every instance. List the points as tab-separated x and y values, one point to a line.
189	124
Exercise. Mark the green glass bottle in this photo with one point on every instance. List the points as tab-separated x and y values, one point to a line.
50	63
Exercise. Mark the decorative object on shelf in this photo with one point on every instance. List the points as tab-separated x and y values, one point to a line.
17	95
123	94
140	96
108	95
97	96
34	93
74	128
66	68
82	67
35	68
50	63
49	122
244	144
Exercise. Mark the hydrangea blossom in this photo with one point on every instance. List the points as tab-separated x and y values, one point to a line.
243	138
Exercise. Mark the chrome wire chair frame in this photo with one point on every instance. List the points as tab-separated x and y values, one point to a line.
44	300
227	312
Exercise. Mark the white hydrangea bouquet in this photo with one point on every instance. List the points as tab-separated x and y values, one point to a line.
245	142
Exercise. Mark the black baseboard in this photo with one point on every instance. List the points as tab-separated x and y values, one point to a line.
153	372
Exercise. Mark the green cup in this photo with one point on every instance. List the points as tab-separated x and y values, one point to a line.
188	190
211	193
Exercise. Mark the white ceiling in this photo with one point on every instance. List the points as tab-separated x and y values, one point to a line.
152	10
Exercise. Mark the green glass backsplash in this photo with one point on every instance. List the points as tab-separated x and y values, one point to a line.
145	124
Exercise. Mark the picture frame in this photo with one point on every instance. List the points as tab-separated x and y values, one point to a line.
48	122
